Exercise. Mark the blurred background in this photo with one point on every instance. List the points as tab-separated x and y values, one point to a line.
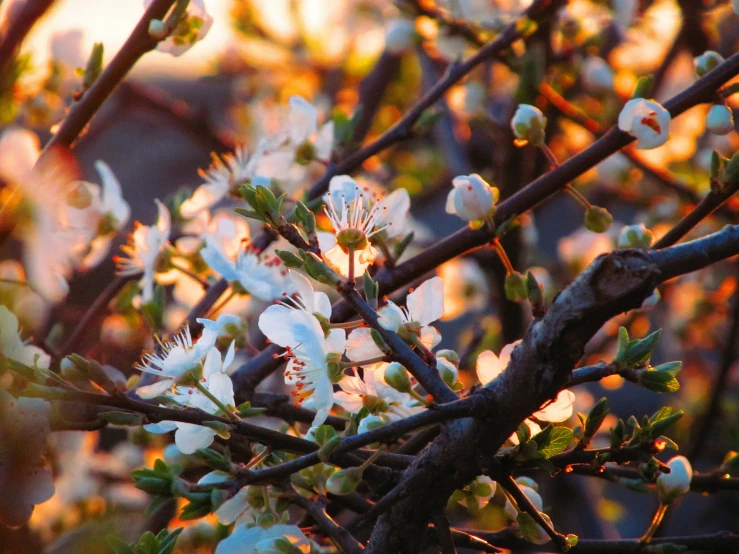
162	124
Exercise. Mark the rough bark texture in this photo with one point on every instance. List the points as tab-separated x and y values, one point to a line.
539	367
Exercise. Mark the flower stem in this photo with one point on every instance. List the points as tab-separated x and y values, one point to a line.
362	363
656	520
350	277
347	325
259	458
554	162
504	259
368	462
190	274
221	406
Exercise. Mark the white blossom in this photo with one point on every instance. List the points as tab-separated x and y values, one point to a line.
224	173
262	275
143	250
529	124
190	437
176	357
14	347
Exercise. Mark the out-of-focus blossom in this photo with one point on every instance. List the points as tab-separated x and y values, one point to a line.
706	62
466	287
37	195
399	35
224	227
529	124
177	356
23	301
297	142
192	27
14	347
66	48
597	74
677	482
277	539
647	121
143	251
190	437
471	198
582	247
221	177
635	236
720	120
106	214
24	480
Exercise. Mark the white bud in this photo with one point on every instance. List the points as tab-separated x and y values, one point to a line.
399	35
471	198
646	120
706	62
529	124
635	236
511	512
372	422
677	482
597	74
720	120
157	29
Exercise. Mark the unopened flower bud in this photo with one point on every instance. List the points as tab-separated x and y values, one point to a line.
597	75
598	219
372	422
344	481
471	198
647	121
529	125
448	371
397	377
399	35
157	29
450	355
706	62
677	482
635	236
720	120
516	289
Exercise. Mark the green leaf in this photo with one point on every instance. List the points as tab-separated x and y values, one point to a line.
156	504
638	352
214	459
523	433
670	443
595	420
148	544
659	427
400	247
643	87
558	441
196	510
622	343
118	545
673	368
660	414
167	544
659	381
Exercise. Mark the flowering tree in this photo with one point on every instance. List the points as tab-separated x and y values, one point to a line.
297	256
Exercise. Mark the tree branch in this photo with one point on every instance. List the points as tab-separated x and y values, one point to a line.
138	43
